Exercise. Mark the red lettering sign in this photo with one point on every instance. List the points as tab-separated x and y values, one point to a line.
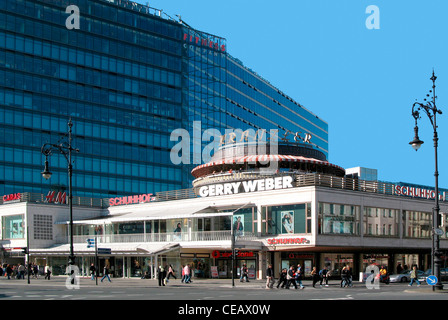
12	197
240	254
53	197
204	42
142	198
285	241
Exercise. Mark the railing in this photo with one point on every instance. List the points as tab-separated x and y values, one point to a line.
159	237
77	201
300	180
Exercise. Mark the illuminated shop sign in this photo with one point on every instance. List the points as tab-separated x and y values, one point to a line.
239	254
288	241
142	198
246	186
56	197
416	192
12	197
204	42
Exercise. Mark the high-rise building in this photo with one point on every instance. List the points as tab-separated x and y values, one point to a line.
127	77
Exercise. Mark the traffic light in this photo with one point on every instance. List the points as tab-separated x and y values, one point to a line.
25	250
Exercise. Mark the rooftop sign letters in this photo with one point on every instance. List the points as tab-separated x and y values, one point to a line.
56	197
416	192
246	186
204	42
11	197
142	198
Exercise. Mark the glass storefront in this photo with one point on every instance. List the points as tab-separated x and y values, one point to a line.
224	264
334	262
417	224
381	222
13	227
338	219
306	260
287	219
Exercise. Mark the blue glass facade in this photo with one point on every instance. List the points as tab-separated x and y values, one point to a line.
127	78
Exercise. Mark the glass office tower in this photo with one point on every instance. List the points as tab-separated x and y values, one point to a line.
127	78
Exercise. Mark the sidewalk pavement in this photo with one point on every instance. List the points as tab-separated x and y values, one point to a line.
197	283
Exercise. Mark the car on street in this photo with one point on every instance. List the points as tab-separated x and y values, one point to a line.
427	273
404	276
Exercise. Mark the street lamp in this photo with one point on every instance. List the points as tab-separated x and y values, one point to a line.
66	149
430	109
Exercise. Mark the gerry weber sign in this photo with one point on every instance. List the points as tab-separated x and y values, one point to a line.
246	186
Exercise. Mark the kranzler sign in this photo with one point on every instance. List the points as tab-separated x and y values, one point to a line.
246	186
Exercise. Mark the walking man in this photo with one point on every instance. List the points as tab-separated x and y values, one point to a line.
244	273
106	273
414	277
269	277
324	276
290	278
92	271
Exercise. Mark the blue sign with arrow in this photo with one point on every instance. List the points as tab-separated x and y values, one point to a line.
431	280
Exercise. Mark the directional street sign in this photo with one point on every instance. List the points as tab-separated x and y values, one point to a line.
90	243
431	280
104	251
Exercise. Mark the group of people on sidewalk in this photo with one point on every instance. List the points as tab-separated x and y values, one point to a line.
19	271
294	277
163	275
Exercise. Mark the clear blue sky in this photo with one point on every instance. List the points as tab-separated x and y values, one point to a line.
362	82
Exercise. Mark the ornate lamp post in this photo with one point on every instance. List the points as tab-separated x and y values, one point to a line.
430	109
64	147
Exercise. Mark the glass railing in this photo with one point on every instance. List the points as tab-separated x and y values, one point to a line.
224	235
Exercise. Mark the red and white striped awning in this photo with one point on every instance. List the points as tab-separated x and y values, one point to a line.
265	158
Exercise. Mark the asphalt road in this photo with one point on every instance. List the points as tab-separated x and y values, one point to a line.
59	288
211	299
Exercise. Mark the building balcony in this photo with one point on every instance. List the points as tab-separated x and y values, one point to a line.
158	237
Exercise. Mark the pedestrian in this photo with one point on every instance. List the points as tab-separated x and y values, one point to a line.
47	272
92	271
299	276
314	276
282	279
346	277
21	271
161	274
244	273
290	278
170	272
106	273
324	274
270	277
187	274
35	271
183	274
414	277
8	271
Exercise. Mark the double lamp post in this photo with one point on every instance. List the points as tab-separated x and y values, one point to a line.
429	108
64	147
